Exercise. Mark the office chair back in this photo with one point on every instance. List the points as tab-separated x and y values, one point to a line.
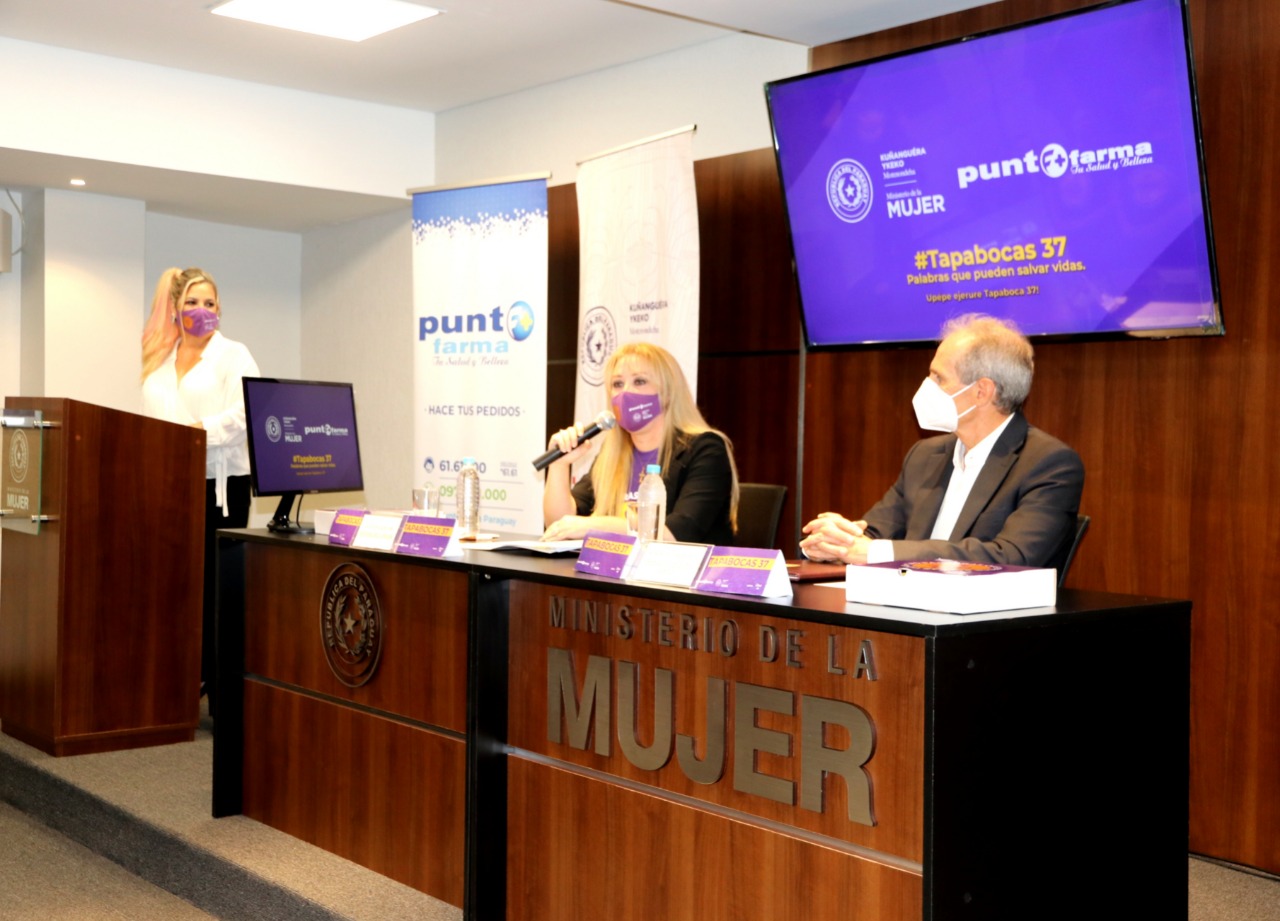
1082	525
759	511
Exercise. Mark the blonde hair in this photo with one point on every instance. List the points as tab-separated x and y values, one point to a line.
161	332
681	423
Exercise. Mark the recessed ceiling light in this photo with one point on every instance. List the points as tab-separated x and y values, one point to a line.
77	182
352	20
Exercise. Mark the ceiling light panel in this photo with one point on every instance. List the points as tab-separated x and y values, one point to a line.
351	20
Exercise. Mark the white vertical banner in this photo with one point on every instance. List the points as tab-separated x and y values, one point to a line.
480	345
638	252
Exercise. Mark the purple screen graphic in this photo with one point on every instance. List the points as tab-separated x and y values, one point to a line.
1048	174
302	436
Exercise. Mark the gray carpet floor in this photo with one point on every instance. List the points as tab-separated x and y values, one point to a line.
148	810
1222	893
44	875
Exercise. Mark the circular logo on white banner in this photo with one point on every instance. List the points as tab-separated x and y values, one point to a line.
849	191
599	339
519	321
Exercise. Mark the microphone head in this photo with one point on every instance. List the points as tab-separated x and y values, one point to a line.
606	421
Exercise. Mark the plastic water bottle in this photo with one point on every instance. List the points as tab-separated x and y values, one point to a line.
468	498
651	502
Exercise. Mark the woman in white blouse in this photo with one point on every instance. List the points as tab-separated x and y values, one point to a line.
191	375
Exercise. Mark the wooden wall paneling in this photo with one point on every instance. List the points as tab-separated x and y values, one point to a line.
1099	398
1178	438
749	324
562	305
1235	733
748	302
752	399
939	29
562	379
858	425
562	273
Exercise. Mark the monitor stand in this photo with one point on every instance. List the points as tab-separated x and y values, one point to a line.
280	522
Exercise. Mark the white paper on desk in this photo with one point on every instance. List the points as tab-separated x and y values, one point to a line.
378	531
537	546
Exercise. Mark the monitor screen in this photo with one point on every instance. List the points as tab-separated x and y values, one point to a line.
1049	173
302	436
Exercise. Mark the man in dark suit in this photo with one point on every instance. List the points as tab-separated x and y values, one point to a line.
996	491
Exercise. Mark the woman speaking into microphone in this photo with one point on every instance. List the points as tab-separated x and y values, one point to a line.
658	423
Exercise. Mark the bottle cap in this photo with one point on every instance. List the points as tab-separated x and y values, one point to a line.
653	468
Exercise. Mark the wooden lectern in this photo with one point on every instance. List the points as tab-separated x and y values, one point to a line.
100	610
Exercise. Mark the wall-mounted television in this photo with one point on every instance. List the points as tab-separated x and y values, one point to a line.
1050	173
302	439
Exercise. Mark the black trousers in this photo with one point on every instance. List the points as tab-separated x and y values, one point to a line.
238	499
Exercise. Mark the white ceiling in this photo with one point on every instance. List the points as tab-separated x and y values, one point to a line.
477	49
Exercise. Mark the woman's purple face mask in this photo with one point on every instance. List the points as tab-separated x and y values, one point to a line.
199	310
636	410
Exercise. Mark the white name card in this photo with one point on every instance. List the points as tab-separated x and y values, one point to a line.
666	563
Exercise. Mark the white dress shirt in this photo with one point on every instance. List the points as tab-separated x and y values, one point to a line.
211	394
968	464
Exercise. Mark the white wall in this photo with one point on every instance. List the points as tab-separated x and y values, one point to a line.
100	259
718	85
93	247
357	323
11	308
31	287
86	105
11	319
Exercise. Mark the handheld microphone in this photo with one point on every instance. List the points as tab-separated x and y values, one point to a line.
603	423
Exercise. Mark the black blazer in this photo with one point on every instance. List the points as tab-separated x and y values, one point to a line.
699	483
1021	512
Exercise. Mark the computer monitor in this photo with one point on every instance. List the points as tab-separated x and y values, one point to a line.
302	439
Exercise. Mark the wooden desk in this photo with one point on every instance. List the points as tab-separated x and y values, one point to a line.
633	752
376	771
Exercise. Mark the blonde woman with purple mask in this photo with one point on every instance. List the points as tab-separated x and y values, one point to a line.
658	423
191	375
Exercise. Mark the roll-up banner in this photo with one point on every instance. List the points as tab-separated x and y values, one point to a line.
480	344
638	246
